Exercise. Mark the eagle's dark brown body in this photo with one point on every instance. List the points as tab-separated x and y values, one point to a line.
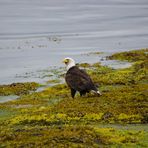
78	80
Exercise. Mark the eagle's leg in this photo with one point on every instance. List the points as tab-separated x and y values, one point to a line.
82	93
73	92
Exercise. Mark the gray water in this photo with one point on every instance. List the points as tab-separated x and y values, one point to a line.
7	98
37	34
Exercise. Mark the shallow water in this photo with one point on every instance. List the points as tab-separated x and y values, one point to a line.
137	127
35	35
8	98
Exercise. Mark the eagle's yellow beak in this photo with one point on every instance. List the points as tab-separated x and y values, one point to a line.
65	61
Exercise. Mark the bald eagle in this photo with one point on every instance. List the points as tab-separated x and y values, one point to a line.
78	80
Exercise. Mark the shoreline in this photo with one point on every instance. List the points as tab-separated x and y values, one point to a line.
47	74
111	119
40	75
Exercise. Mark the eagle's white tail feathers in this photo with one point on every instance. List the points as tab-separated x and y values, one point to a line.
97	92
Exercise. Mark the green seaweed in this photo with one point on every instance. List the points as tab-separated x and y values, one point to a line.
131	56
18	88
71	136
51	118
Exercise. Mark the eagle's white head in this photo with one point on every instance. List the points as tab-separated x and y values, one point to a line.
69	62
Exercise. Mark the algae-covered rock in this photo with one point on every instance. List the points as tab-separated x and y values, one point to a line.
132	56
18	88
71	136
51	118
